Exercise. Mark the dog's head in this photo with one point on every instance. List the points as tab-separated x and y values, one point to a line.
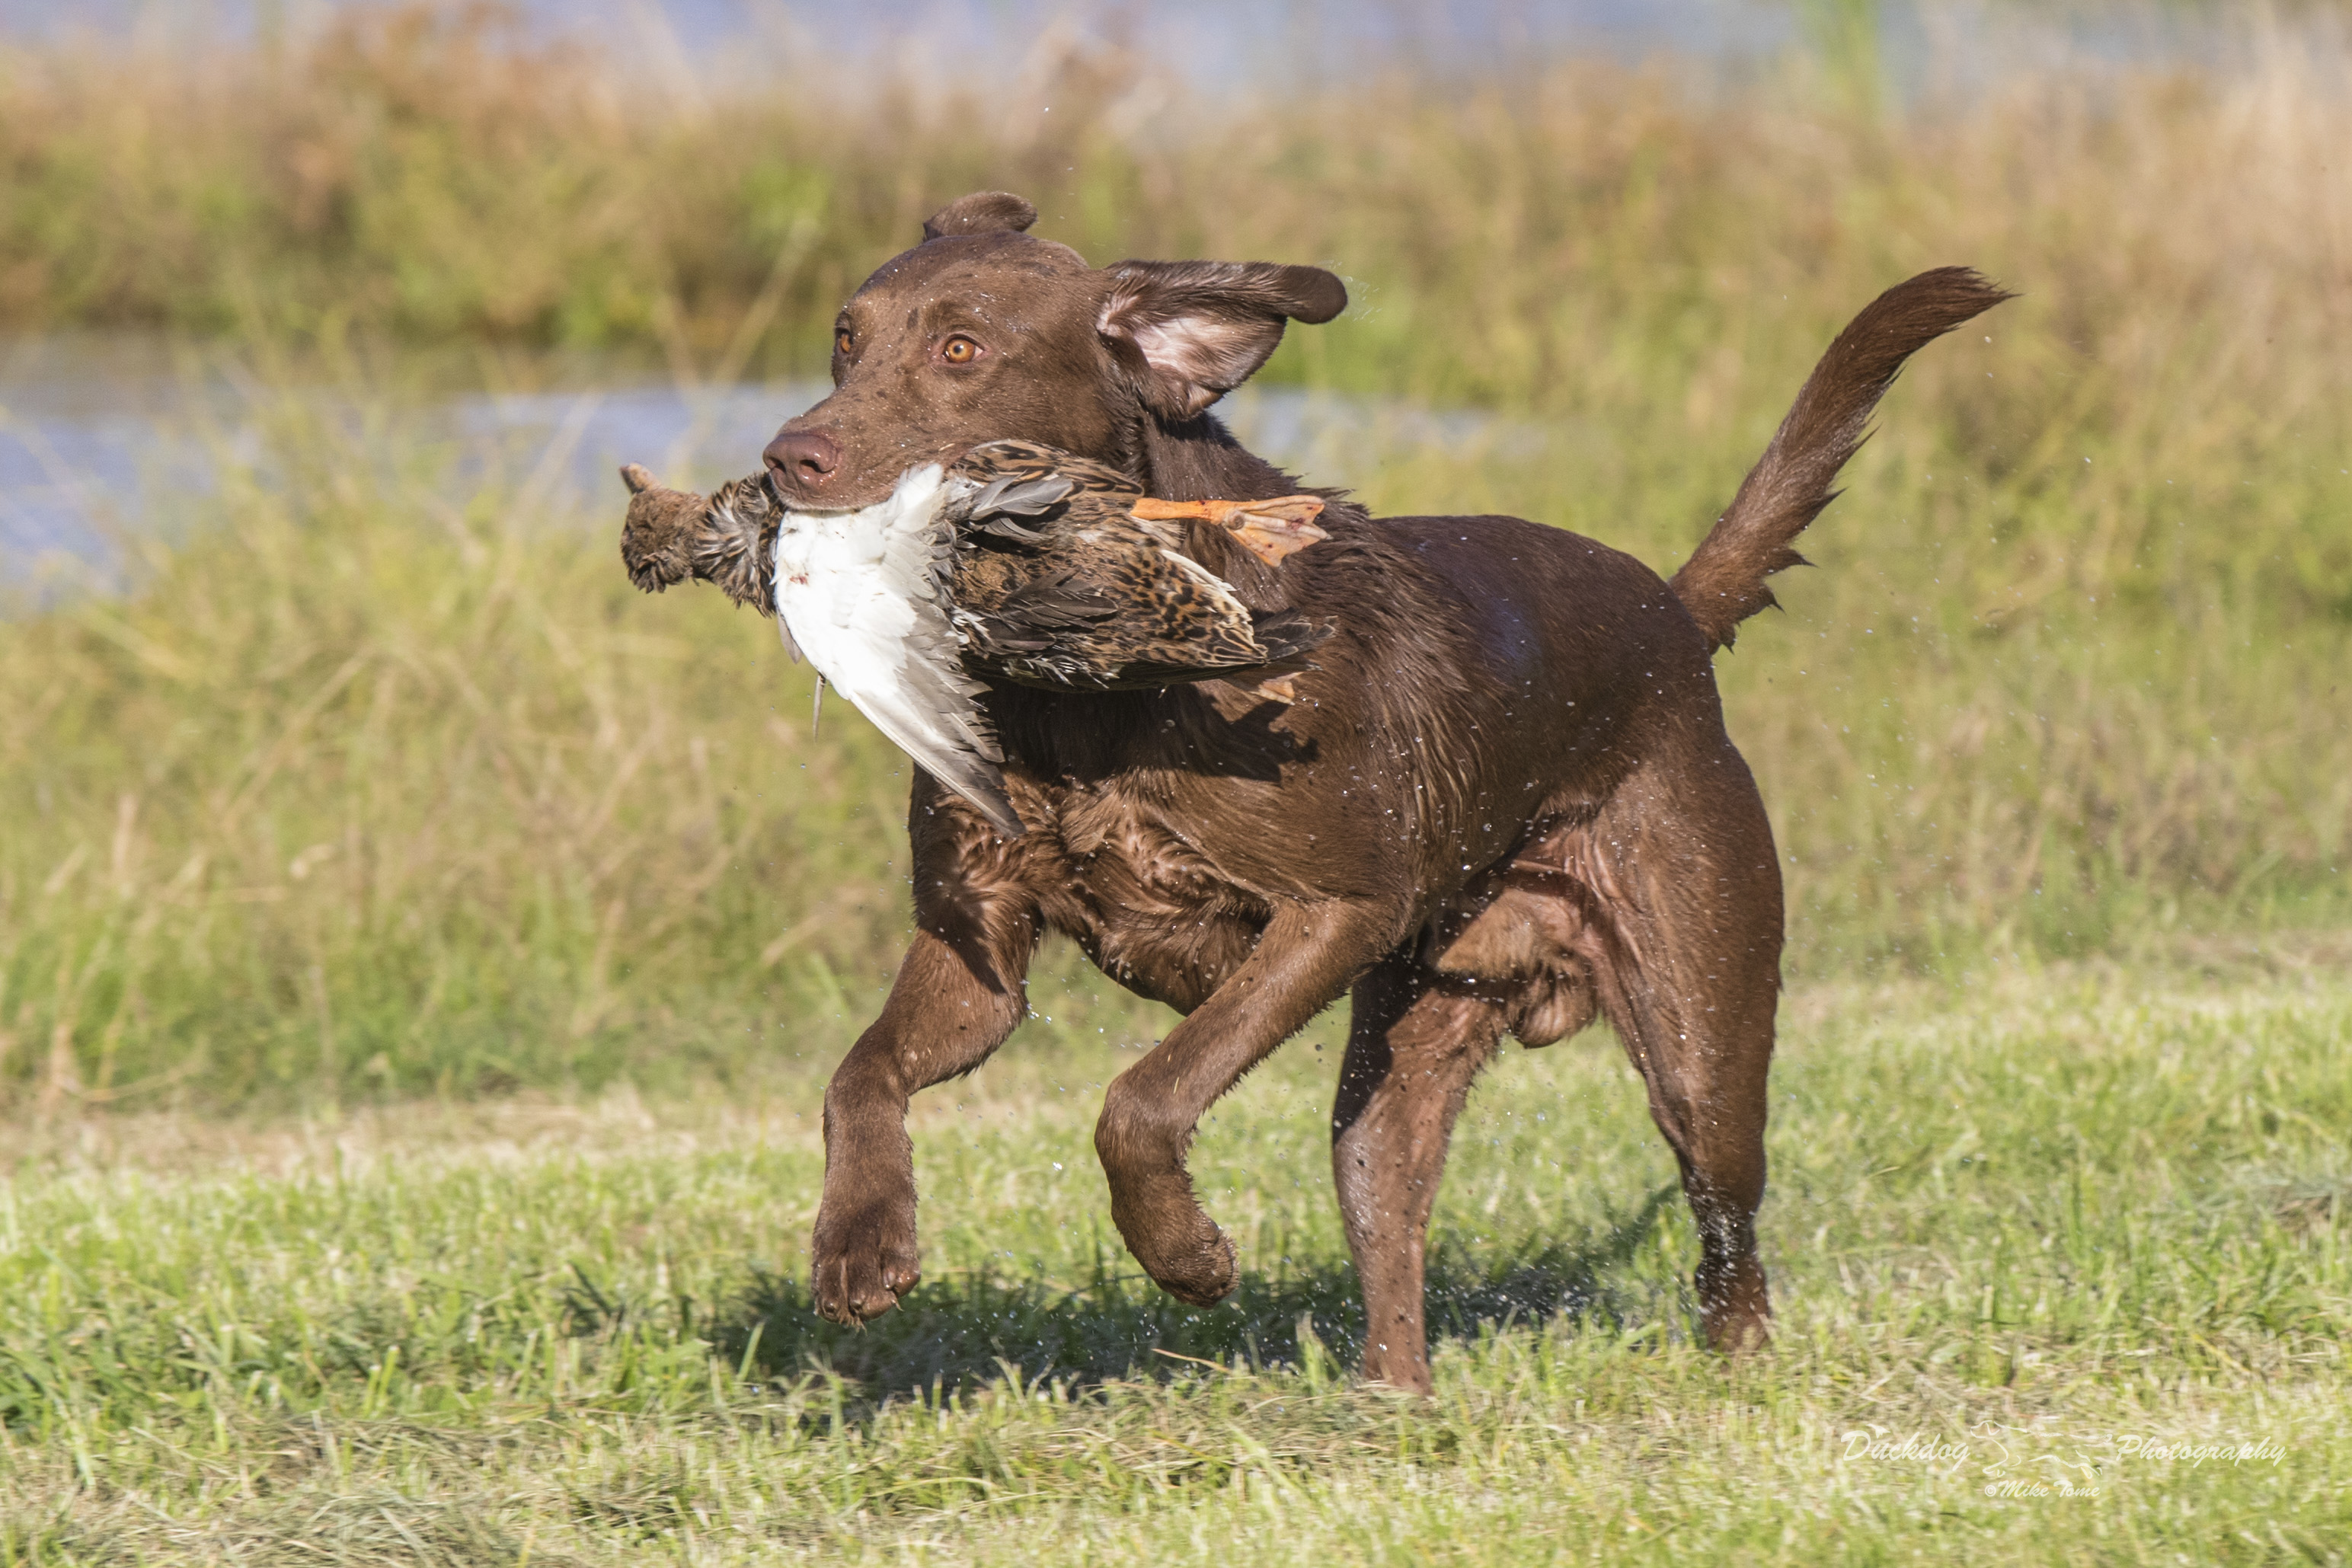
985	333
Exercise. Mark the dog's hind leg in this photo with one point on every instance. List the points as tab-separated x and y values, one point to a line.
1686	952
1413	1049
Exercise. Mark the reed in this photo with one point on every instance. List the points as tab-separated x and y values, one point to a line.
365	792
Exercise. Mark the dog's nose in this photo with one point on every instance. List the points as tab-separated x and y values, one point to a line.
803	461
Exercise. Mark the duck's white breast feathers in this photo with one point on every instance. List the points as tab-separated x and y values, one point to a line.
854	590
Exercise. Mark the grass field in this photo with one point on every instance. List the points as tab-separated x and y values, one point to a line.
2084	1226
420	954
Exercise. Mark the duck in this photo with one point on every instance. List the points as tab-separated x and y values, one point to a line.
1064	576
1017	562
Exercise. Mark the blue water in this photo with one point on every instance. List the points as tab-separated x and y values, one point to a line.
98	442
1205	39
1250	44
105	442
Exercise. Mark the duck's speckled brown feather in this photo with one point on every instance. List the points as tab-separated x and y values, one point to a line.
1084	595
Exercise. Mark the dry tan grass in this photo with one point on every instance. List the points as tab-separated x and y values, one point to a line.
366	793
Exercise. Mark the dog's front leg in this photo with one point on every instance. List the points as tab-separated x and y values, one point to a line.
1308	953
958	995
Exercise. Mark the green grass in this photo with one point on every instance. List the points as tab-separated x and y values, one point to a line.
2057	1216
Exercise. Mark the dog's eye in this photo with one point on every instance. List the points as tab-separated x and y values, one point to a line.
841	340
959	350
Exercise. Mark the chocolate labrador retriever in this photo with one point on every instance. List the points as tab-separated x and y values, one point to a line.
1504	804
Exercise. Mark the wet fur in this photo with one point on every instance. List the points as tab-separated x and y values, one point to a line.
1504	804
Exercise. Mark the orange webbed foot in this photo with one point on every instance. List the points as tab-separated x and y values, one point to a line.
1271	530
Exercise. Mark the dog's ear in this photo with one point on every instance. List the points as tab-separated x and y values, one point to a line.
981	212
1191	331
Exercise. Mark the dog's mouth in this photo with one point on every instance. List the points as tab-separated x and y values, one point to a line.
871	492
922	476
917	486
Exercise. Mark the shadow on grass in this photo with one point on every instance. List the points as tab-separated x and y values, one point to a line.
1118	1325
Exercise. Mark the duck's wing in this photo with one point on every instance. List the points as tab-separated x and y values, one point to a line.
1040	632
998	488
1195	629
1026	459
997	507
1111	609
1066	577
858	592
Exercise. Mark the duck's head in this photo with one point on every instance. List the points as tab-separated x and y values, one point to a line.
658	541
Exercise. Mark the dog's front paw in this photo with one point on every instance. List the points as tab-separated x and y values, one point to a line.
1178	1244
864	1258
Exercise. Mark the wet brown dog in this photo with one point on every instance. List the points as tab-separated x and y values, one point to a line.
1505	803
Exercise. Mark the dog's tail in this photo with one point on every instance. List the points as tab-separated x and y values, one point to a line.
1722	584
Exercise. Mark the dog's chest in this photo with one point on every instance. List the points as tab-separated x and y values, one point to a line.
1152	908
